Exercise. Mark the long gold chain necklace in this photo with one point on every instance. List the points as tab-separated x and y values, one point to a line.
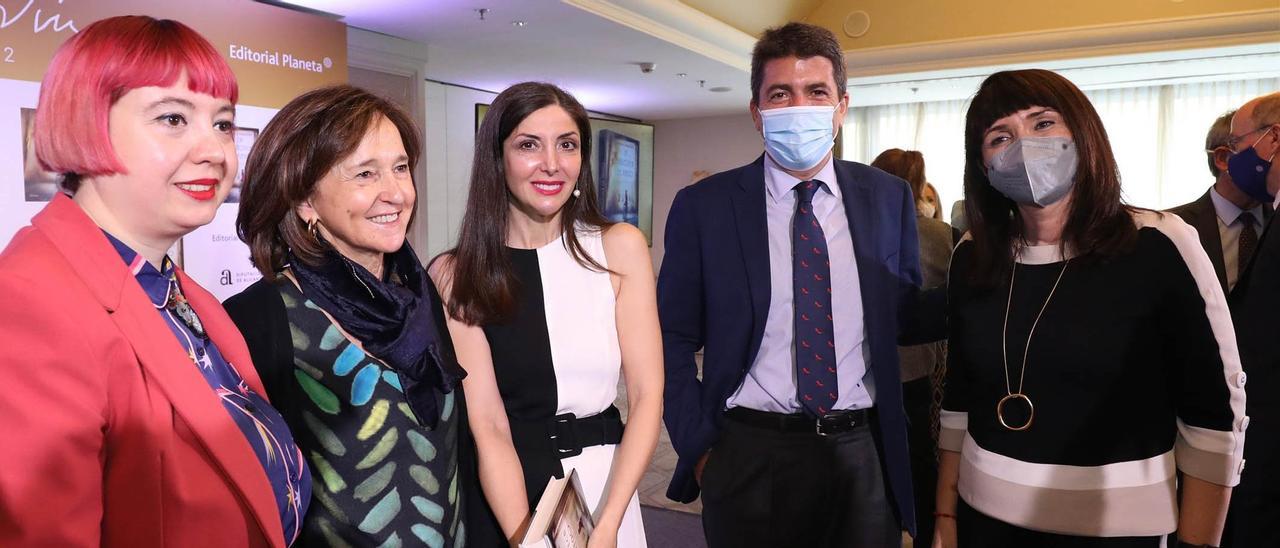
1010	395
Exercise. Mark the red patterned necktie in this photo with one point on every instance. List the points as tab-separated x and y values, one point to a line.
1248	242
814	328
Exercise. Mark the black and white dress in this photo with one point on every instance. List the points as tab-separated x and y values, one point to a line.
1134	374
559	355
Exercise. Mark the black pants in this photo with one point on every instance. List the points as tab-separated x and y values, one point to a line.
771	489
978	530
917	399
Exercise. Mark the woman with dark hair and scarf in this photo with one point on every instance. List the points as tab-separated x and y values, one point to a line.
344	327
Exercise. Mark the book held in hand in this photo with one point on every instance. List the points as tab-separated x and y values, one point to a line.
562	518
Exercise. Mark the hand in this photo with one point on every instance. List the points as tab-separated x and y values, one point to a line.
697	468
603	536
944	533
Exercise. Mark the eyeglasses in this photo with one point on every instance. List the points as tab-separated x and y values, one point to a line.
1235	139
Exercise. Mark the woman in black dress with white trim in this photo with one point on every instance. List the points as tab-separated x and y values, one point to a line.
549	303
1091	352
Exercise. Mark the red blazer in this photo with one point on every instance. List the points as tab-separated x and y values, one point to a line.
111	435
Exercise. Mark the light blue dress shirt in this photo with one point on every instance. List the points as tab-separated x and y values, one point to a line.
770	384
1229	228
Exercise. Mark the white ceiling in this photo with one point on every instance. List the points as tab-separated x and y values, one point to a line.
592	57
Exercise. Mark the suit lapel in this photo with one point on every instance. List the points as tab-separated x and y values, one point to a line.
167	365
858	198
1206	223
753	238
224	334
1267	213
857	201
1265	241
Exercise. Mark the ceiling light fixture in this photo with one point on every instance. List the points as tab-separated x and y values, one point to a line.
681	74
720	89
857	23
482	12
518	24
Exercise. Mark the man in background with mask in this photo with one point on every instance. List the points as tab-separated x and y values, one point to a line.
1255	307
1228	220
795	275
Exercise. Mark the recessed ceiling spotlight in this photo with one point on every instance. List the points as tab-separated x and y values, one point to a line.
720	89
482	12
518	24
681	74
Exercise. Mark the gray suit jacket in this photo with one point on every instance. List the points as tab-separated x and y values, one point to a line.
1201	215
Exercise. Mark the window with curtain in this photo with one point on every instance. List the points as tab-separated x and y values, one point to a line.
1157	133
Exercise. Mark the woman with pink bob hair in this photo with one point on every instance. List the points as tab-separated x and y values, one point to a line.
131	414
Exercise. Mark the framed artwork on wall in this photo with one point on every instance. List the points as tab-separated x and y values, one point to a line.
617	180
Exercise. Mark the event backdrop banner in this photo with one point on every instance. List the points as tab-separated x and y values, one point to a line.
276	54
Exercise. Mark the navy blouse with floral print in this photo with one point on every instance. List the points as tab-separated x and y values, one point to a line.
260	423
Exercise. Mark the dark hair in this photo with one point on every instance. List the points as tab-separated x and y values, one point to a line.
1219	134
483	284
298	147
800	40
1098	224
907	164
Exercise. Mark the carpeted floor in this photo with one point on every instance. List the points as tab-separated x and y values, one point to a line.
672	528
675	529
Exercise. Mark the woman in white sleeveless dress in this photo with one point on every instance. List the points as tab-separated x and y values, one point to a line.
548	304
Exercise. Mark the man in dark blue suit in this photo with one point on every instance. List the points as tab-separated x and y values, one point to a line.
797	276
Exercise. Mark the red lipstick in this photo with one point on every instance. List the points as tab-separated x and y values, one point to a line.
548	188
200	189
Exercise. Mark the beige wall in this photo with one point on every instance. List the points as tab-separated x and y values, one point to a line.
682	147
898	22
760	16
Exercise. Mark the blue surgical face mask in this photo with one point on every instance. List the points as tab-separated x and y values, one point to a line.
1035	170
798	138
1249	172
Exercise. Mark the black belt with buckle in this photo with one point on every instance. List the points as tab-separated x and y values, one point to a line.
831	423
569	434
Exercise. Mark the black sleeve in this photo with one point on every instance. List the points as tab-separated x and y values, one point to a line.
259	313
954	417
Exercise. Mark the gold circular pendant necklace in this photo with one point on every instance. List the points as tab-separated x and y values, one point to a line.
1010	395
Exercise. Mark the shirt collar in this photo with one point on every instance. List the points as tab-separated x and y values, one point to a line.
155	283
778	183
1229	212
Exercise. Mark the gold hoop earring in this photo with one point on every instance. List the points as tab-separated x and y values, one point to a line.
313	228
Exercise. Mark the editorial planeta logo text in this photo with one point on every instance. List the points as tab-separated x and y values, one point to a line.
285	60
